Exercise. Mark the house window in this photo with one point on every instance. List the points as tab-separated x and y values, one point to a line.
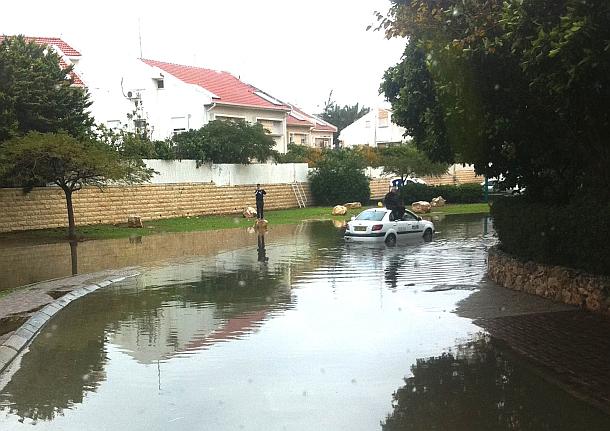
383	118
367	124
303	140
160	83
270	126
113	124
291	138
228	118
322	142
179	125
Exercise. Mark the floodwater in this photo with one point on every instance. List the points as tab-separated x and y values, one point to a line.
294	330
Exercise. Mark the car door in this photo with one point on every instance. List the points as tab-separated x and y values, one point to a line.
401	226
412	224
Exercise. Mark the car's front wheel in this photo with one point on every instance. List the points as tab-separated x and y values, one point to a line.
390	240
428	235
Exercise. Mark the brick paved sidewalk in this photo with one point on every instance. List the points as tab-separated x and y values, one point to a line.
18	305
571	347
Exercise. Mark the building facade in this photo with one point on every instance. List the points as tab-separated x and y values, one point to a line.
310	130
375	129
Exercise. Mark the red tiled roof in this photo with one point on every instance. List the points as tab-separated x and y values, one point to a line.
225	86
317	124
324	128
65	50
293	121
75	78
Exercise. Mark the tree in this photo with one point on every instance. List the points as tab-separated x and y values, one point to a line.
301	154
129	145
36	92
370	155
514	87
222	141
341	116
339	177
411	90
480	386
67	162
406	160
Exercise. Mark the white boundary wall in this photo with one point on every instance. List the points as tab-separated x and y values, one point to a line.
186	171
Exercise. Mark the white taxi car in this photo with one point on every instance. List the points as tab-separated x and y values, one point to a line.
377	224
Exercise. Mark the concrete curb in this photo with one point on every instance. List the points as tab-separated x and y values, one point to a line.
26	333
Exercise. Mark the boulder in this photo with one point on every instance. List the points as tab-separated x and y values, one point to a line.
421	207
249	212
339	210
438	202
352	205
261	224
134	221
339	224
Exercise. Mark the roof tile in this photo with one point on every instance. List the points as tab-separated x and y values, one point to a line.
225	86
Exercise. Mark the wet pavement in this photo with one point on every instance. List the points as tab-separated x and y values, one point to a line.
296	330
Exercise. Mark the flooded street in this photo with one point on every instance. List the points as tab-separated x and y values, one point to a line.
295	330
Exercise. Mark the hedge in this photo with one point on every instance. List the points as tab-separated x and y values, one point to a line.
462	194
575	235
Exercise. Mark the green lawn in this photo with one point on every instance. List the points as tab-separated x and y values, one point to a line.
190	224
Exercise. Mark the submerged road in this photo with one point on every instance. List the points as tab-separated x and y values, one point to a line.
299	331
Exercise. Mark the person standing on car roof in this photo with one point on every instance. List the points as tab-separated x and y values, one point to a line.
260	202
393	203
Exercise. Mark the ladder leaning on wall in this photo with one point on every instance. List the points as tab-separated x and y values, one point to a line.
299	193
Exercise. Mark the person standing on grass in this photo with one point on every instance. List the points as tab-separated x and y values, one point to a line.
260	202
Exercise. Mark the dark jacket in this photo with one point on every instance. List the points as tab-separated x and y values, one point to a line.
259	195
391	200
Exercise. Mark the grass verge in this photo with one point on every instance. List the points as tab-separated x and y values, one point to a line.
203	223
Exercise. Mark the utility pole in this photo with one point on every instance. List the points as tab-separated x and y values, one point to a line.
140	36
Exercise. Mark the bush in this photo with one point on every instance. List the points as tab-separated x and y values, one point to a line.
462	194
339	178
556	235
301	154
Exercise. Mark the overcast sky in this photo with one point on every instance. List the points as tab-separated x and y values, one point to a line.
296	51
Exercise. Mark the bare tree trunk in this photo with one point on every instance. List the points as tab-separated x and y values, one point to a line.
71	224
74	257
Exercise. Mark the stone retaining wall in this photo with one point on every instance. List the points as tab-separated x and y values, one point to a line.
45	207
553	282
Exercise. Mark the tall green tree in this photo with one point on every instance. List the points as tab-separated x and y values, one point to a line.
410	88
222	141
341	116
513	86
406	160
36	92
68	162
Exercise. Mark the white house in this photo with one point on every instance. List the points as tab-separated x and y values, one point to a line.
375	129
173	98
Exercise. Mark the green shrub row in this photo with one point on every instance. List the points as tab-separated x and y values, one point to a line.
462	194
576	236
339	178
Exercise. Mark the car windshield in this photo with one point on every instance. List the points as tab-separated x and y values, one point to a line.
371	215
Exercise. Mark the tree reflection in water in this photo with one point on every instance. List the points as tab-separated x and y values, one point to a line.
481	388
68	359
